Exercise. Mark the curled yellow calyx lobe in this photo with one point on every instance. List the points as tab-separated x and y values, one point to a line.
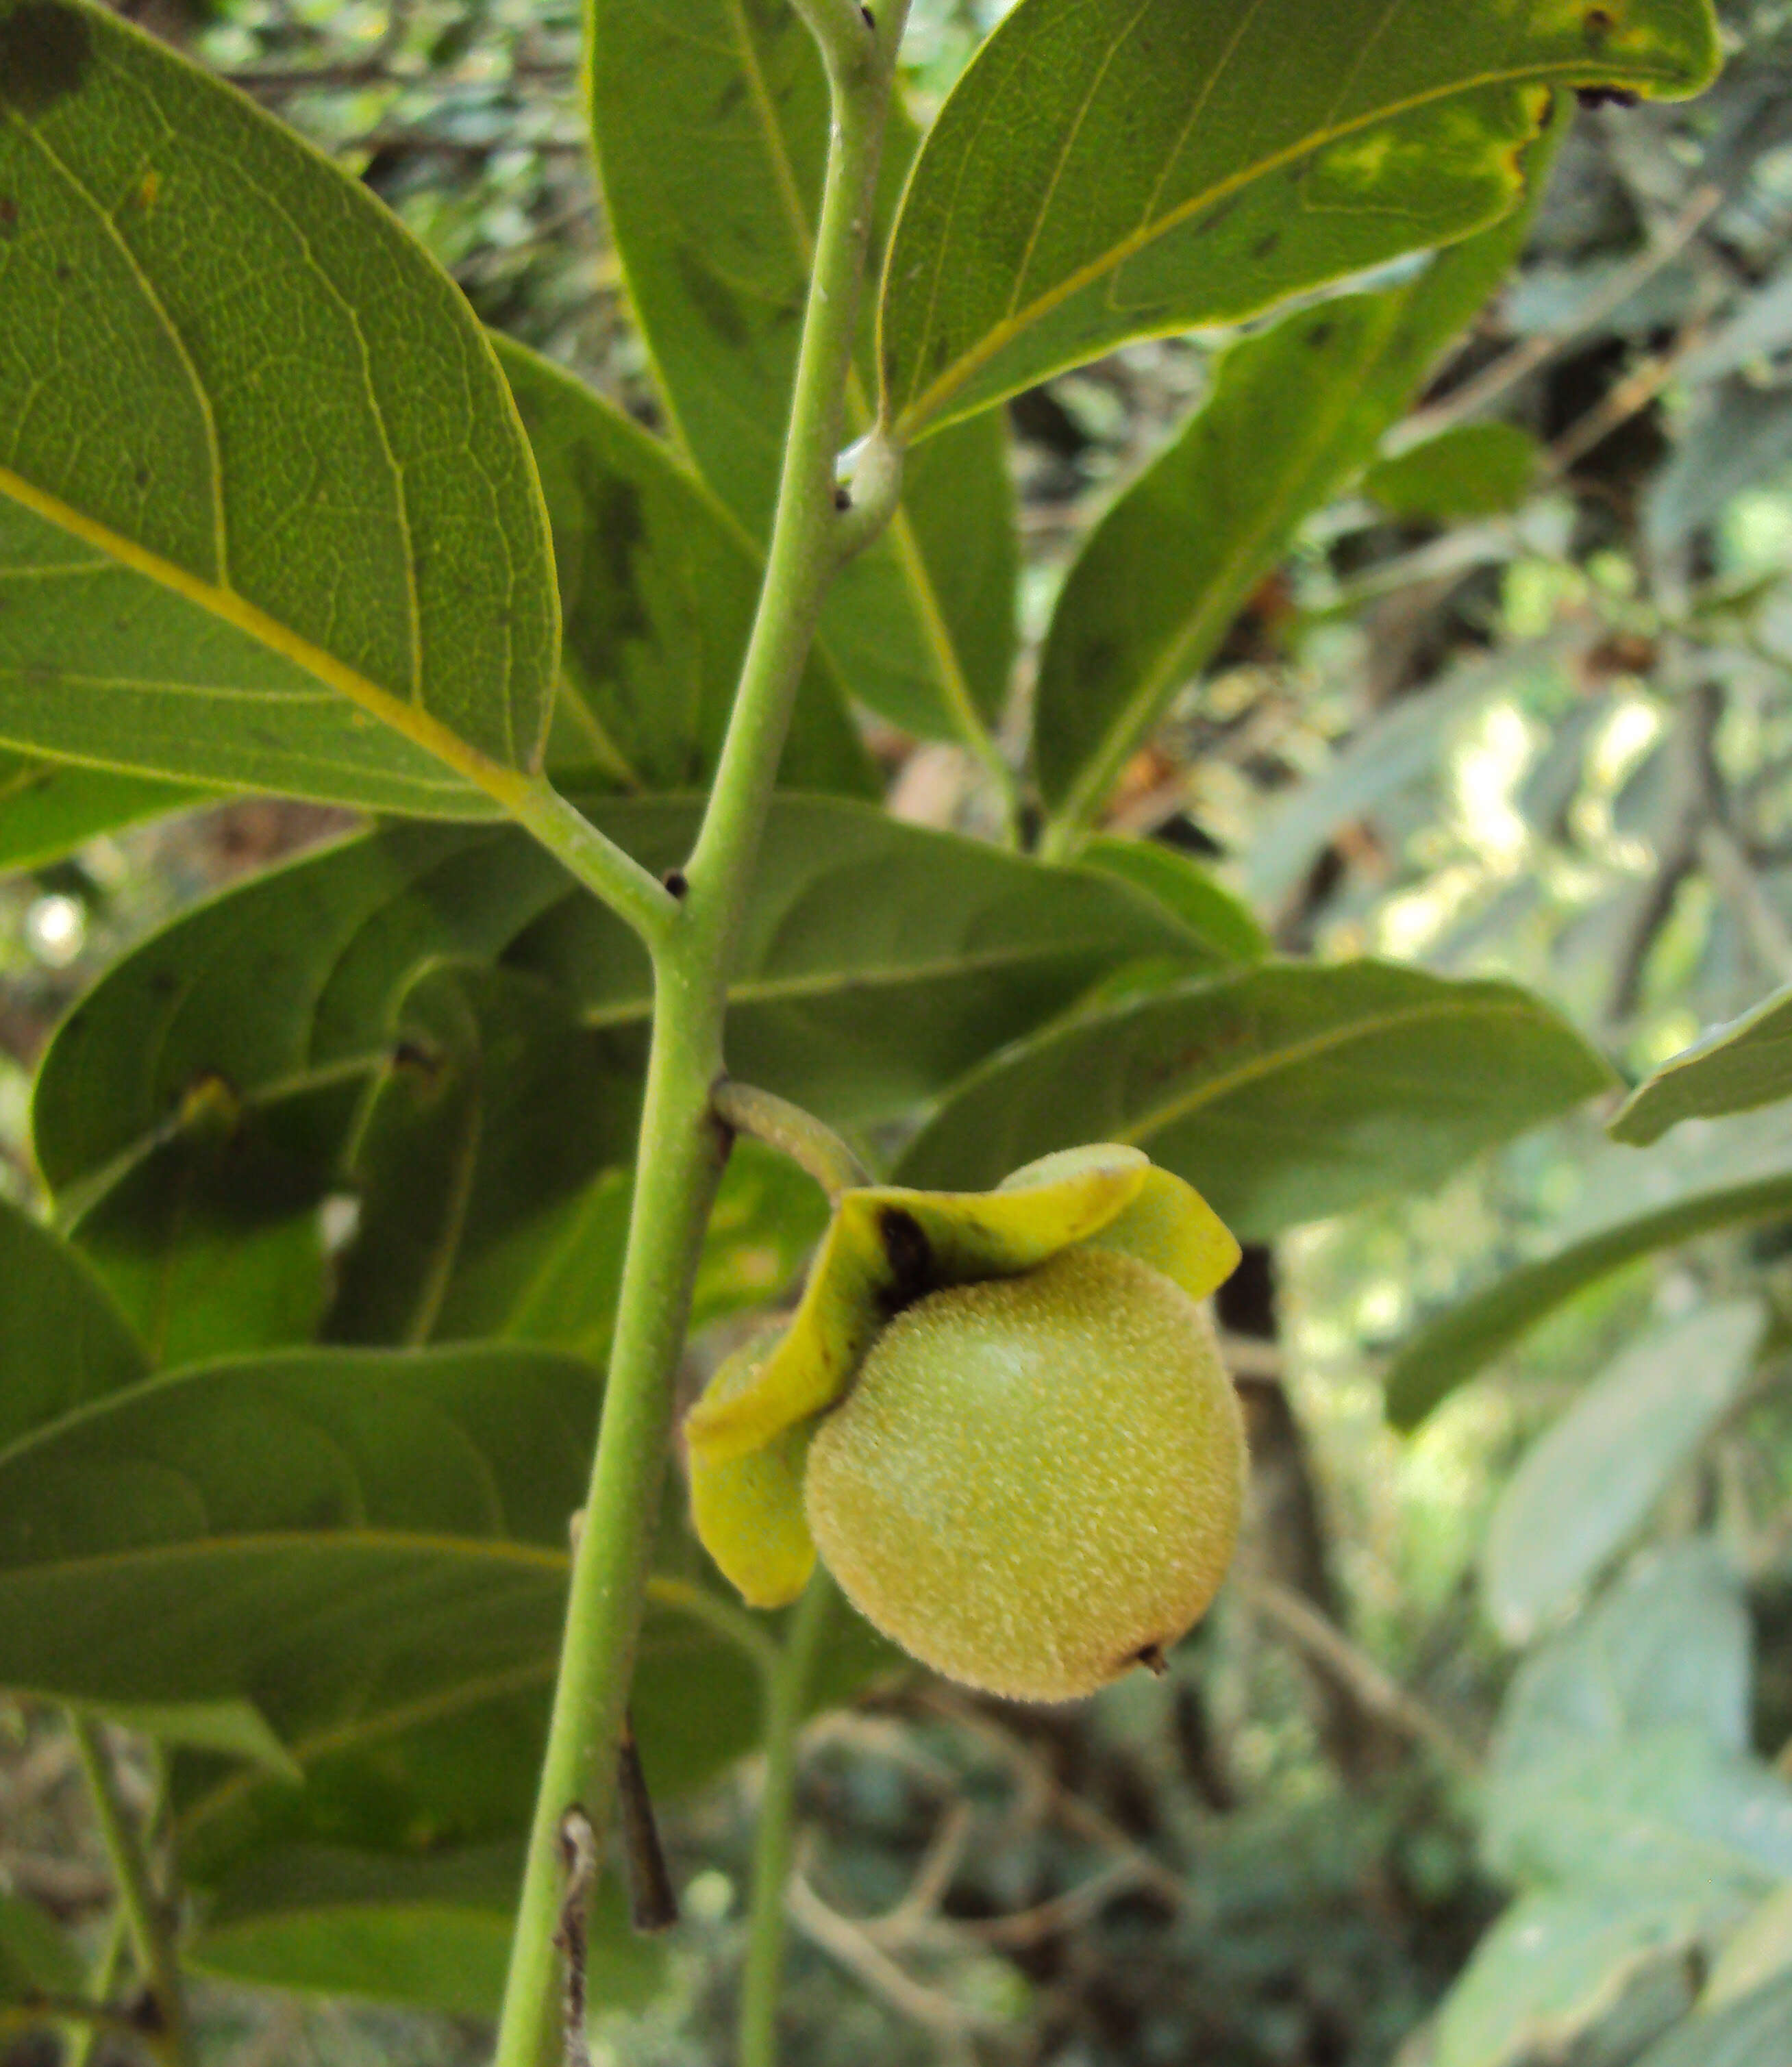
887	1247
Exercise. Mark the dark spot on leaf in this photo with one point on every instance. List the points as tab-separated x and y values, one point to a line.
843	499
140	473
1319	336
910	1255
1600	22
1226	209
412	1058
717	304
1266	244
46	50
9	215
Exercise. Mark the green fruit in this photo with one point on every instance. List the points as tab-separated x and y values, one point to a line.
1035	1482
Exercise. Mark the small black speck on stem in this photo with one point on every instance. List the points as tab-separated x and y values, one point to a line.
677	882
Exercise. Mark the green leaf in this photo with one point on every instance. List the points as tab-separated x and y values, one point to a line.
1452	1350
1108	169
36	1959
1734	1069
658	588
1293	416
232	1729
1283	1094
62	1341
1670	1645
212	1240
1755	2031
877	962
492	1170
433	1931
1759	1952
47	807
1560	1961
1588	1484
317	509
494	1110
1475	470
1622	1748
1663	1801
1226	923
712	185
311	1532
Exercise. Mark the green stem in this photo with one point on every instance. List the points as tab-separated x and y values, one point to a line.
764	1116
598	862
151	1938
787	1699
83	2035
679	1157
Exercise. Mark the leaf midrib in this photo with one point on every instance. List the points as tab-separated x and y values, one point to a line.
508	786
1295	1053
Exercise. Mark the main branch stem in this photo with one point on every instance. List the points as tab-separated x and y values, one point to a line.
682	1145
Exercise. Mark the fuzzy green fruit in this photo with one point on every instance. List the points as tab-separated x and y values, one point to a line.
1035	1482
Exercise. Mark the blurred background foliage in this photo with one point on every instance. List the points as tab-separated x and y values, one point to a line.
1521	705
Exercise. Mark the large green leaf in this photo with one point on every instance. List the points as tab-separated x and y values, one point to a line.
1586	1485
1734	1069
36	1959
1282	1094
47	807
1668	1646
63	1340
492	1170
264	483
1561	1960
1755	2031
658	586
713	182
322	1534
1450	1351
212	1241
1293	416
877	963
1183	886
493	1111
1108	169
1622	1748
433	1931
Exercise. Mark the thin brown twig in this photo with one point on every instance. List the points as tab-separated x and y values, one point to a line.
1326	1645
1487	387
846	1941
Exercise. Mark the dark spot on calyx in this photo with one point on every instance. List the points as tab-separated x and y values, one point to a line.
910	1255
1152	1659
46	52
